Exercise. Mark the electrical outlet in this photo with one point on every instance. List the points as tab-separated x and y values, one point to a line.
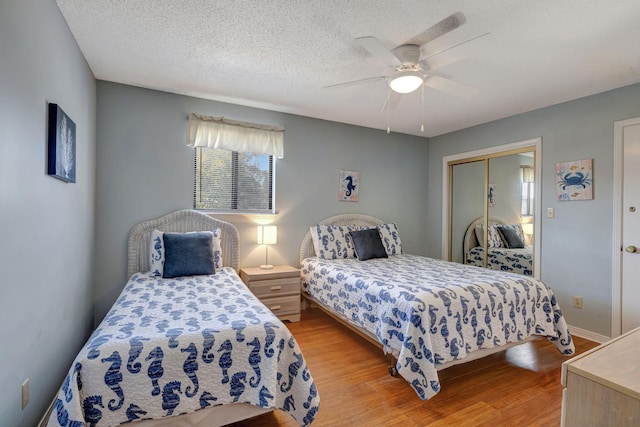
577	301
25	393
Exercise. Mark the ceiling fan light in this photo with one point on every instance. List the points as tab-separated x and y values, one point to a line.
405	82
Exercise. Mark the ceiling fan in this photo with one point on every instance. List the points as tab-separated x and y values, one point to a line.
413	64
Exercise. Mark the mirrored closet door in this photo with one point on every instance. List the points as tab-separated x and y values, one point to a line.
493	191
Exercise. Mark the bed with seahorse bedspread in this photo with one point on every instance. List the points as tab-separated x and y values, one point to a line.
429	313
173	346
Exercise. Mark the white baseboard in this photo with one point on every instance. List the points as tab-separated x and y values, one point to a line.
583	333
45	418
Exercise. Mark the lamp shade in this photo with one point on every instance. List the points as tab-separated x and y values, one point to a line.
527	229
267	234
406	81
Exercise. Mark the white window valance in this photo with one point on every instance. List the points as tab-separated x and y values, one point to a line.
528	174
231	135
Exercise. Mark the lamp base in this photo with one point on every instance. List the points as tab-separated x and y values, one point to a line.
266	266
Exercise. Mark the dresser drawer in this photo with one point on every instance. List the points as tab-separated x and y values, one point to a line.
283	305
275	287
602	385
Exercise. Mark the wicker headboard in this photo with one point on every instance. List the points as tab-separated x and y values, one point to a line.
470	240
306	247
180	222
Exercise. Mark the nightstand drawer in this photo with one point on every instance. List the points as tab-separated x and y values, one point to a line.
278	289
275	287
283	305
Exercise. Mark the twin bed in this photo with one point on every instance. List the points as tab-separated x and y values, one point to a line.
191	350
425	313
202	350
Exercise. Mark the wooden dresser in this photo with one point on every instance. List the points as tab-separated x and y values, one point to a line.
602	386
277	288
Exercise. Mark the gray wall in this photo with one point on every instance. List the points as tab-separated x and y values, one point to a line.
46	224
145	170
576	244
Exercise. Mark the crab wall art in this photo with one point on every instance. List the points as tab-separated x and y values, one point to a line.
574	180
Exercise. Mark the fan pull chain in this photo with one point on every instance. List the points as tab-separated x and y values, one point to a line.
422	112
389	112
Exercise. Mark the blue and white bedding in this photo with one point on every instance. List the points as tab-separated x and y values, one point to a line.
514	260
427	312
174	346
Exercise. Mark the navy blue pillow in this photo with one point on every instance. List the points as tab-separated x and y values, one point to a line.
368	244
510	237
188	254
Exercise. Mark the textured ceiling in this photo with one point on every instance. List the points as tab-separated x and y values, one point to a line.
279	55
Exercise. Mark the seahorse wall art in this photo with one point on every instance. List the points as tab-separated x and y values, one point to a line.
349	186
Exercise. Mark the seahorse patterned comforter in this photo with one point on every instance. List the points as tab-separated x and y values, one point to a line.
515	260
172	346
427	311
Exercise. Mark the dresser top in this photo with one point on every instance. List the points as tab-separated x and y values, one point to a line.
615	364
277	272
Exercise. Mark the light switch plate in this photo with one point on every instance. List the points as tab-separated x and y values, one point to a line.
550	213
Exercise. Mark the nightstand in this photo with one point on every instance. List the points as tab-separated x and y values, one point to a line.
278	289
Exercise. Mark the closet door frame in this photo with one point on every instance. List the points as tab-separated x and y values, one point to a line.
533	144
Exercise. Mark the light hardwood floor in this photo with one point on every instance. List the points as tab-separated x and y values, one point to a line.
518	387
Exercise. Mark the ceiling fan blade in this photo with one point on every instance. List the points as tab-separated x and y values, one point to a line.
449	86
379	50
469	48
392	101
356	82
443	27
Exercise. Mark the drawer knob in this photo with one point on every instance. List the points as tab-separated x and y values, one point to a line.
276	288
274	307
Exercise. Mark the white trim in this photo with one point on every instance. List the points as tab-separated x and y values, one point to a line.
45	418
533	142
588	335
616	260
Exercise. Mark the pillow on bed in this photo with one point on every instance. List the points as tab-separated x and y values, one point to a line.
368	244
333	241
512	235
493	237
157	252
390	238
188	254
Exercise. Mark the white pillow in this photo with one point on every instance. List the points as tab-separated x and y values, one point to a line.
157	253
333	241
390	238
493	237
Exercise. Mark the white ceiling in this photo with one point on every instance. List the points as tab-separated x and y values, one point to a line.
279	55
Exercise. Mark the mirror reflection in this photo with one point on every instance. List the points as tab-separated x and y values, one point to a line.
467	204
507	182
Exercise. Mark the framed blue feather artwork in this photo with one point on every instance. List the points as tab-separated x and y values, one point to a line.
61	145
349	186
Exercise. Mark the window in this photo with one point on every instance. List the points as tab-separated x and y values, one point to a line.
234	182
528	190
527	198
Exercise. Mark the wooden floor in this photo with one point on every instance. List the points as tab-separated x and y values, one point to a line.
517	387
